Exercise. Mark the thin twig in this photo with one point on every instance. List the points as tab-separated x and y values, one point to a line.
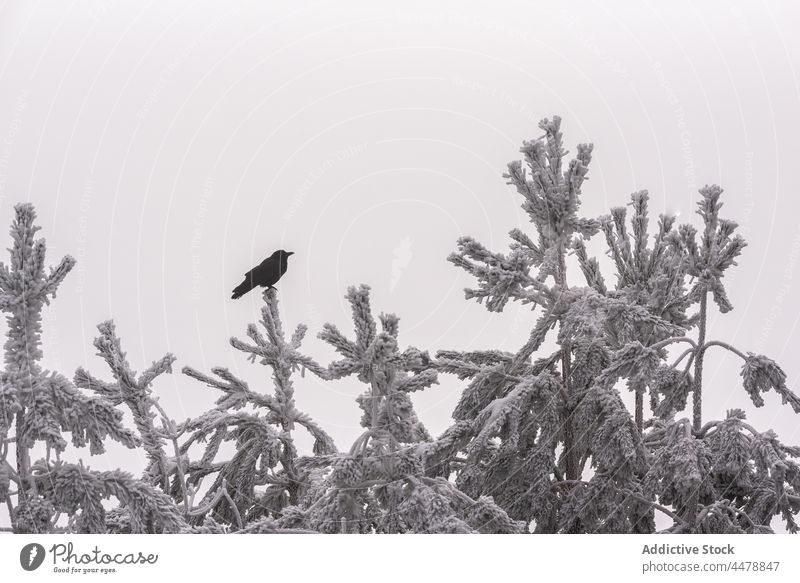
12	473
669	341
682	356
655	505
169	425
11	513
627	492
232	504
208	507
724	345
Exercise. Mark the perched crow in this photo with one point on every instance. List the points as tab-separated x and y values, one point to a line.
266	274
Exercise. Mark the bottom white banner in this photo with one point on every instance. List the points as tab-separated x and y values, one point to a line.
119	558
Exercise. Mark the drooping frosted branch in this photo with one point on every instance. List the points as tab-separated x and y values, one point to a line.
134	392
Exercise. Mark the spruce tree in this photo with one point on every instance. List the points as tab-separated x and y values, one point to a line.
720	476
540	441
380	485
37	406
266	474
517	413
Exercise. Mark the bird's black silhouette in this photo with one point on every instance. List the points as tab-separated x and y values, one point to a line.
266	273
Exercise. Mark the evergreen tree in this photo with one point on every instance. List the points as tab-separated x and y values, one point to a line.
539	441
262	425
37	406
515	414
721	476
134	391
379	485
652	278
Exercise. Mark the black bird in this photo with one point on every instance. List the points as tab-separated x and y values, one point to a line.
266	274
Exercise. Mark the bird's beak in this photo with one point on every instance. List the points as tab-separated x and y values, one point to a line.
289	253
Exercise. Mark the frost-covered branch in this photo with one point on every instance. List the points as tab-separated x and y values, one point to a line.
134	392
266	454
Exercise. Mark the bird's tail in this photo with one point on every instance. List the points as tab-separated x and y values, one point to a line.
240	290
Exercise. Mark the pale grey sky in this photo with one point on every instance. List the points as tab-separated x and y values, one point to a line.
170	146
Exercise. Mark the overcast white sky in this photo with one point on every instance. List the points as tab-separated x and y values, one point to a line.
171	146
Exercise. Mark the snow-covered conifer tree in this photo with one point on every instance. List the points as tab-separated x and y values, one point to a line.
261	424
379	485
720	476
540	440
134	391
516	414
37	406
612	331
652	278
